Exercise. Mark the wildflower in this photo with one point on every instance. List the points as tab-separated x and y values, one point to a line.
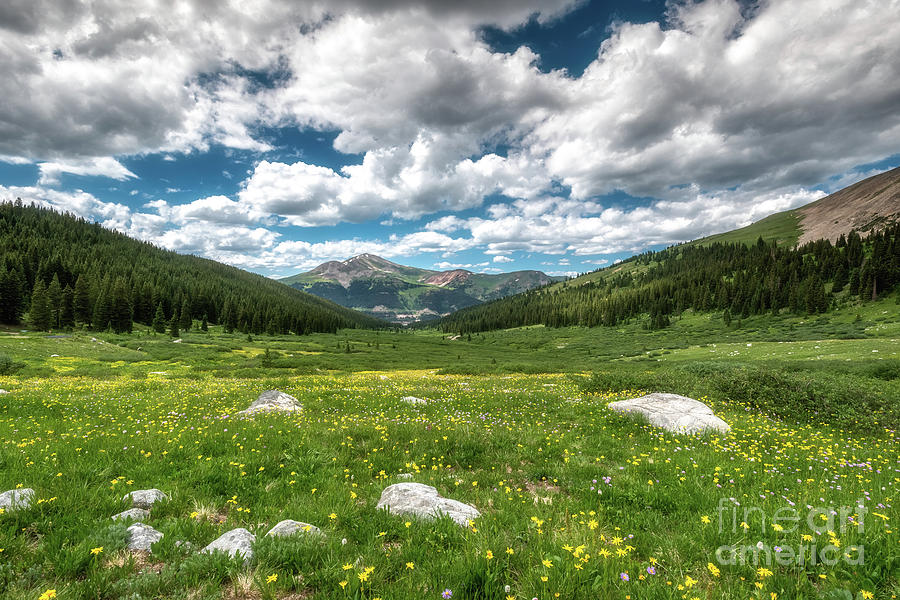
651	570
332	516
763	572
624	577
713	569
547	563
343	584
447	594
96	551
705	519
410	566
272	578
48	595
489	555
592	524
347	567
510	551
865	594
689	581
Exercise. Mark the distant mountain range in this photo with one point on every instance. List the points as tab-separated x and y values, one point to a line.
393	292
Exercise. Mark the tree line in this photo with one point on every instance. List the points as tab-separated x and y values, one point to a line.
59	271
739	280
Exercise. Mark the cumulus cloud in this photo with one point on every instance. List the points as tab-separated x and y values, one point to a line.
103	166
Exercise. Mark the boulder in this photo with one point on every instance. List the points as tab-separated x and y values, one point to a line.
235	542
132	514
674	413
14	499
141	537
3	392
413	400
273	400
289	527
424	502
144	498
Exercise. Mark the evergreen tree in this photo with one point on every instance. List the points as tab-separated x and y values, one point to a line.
204	326
10	296
102	310
120	307
185	320
726	317
54	300
39	315
159	319
67	313
173	327
82	301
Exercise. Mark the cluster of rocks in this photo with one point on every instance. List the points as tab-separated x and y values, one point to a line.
672	412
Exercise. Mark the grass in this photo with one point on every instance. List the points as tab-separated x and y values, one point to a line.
783	227
576	501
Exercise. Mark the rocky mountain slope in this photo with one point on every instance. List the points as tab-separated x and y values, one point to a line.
394	292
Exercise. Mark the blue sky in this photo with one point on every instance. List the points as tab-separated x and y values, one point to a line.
552	135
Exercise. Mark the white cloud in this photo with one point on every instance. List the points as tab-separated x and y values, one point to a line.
445	266
104	166
502	259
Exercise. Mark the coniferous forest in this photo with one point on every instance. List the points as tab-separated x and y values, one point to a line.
736	279
59	271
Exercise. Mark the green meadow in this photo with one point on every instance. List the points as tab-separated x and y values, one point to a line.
798	500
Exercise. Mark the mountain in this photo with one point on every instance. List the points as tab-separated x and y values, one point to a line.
866	206
64	271
384	289
755	270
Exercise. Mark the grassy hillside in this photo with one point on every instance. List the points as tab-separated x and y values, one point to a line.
783	227
119	275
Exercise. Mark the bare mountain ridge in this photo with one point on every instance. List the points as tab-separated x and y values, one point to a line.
865	206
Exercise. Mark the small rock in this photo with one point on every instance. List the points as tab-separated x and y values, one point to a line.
289	527
678	414
144	498
235	542
54	356
423	501
413	400
178	341
3	392
15	499
132	514
141	537
273	400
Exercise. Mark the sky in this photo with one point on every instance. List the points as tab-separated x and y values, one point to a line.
556	135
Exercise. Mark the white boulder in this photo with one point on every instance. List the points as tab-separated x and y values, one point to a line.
273	400
413	400
678	414
132	514
14	499
141	537
144	498
424	502
289	527
233	543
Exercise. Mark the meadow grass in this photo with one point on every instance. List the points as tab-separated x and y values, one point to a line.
576	501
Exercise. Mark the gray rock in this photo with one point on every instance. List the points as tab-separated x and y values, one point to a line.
144	498
235	542
273	400
184	545
141	537
674	413
289	527
3	392
132	514
15	499
423	501
413	400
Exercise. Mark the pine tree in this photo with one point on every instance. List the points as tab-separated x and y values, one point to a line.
185	321
726	317
120	307
173	327
82	301
54	300
39	316
10	296
204	326
67	314
159	319
102	309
